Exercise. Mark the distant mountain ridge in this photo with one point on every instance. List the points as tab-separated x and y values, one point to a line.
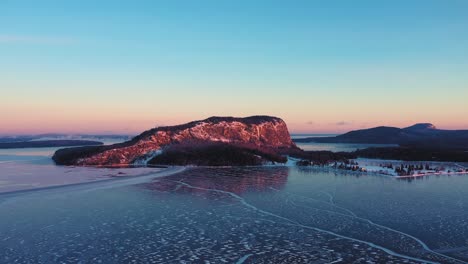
59	136
418	135
49	143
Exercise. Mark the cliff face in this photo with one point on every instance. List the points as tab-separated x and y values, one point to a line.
256	131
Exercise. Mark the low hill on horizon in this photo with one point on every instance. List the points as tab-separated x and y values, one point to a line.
423	135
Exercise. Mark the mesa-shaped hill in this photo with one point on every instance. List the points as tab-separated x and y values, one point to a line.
227	140
419	135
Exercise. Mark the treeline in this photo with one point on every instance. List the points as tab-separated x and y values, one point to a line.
385	153
215	154
322	157
68	156
413	154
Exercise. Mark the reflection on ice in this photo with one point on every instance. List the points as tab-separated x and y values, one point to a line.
235	180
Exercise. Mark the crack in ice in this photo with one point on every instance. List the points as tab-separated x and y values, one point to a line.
330	197
420	242
243	259
295	223
309	198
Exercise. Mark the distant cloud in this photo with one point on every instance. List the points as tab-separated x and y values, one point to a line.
310	123
27	39
342	123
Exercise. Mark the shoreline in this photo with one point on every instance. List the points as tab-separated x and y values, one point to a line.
431	174
371	172
122	180
170	170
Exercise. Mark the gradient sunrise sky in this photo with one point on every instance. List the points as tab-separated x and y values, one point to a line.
322	66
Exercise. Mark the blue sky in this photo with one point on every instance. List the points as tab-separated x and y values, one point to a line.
323	66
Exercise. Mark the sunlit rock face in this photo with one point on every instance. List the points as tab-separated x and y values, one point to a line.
255	131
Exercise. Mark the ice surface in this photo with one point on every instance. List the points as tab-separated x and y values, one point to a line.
242	215
22	169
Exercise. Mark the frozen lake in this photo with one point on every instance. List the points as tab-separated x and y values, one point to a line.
241	215
338	147
32	168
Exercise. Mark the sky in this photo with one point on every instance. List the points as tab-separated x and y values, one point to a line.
323	66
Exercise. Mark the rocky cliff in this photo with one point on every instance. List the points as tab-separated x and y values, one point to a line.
255	132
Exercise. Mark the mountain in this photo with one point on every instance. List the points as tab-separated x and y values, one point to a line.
421	127
419	135
249	140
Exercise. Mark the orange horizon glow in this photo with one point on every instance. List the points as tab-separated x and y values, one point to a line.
128	126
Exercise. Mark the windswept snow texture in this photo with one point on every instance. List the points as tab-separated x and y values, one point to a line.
242	215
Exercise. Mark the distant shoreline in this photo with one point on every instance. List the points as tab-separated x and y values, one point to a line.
432	174
49	143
